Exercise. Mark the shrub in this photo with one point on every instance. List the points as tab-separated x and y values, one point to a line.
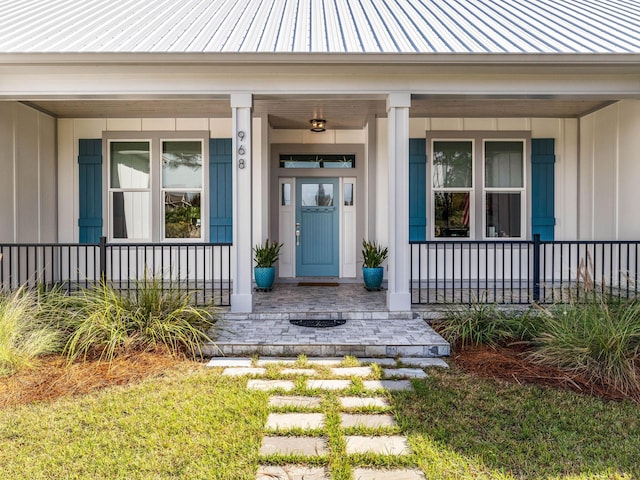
483	323
598	339
23	336
105	322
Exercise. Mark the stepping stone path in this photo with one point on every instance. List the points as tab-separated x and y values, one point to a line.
293	413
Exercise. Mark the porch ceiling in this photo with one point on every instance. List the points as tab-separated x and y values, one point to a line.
340	112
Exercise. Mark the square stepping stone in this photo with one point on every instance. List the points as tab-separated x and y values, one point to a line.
239	371
424	362
307	446
229	362
396	474
384	445
310	372
264	361
285	401
367	421
328	384
391	385
352	371
360	402
291	472
288	421
385	362
404	372
267	385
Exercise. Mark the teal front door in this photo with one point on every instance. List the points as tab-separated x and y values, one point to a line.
317	221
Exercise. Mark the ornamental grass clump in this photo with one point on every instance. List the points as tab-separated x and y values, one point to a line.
598	339
104	322
23	334
483	323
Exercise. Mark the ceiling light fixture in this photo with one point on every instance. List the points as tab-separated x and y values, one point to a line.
318	124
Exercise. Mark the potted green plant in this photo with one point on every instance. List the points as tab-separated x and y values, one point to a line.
372	271
265	255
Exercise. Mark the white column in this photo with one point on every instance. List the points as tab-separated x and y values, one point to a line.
241	297
399	294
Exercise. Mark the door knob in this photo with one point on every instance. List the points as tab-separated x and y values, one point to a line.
297	234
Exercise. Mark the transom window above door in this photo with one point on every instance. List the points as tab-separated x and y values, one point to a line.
156	189
317	161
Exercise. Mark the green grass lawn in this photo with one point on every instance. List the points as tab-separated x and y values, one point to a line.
202	425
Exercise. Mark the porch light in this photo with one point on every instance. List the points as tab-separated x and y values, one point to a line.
318	125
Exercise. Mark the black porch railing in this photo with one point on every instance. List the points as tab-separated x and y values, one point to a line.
521	272
202	269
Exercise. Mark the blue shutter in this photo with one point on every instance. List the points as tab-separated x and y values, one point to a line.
417	189
542	188
90	190
220	189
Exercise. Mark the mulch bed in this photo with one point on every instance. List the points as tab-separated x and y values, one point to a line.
53	377
511	364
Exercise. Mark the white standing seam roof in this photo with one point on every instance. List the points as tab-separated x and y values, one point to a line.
321	26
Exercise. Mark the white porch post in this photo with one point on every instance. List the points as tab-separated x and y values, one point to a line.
241	297
399	294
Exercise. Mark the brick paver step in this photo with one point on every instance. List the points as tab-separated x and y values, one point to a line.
306	446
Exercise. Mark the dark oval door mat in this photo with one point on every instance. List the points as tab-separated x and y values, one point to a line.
318	322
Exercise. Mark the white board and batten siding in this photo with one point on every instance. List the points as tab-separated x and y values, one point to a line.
610	172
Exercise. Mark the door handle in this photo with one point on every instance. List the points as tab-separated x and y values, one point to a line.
297	234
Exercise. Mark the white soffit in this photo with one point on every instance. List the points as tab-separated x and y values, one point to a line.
321	26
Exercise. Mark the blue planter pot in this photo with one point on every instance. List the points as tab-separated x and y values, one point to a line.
264	277
372	277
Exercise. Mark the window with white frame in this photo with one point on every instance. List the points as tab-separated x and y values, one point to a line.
182	180
452	175
478	188
156	189
503	188
130	189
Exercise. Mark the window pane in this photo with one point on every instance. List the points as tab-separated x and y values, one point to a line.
130	214
504	212
181	164
452	211
182	215
348	194
129	164
317	161
317	195
452	164
503	164
286	194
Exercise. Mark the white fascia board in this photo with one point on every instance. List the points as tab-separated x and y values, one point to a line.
537	59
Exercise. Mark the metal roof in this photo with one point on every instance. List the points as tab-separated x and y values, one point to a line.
321	26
